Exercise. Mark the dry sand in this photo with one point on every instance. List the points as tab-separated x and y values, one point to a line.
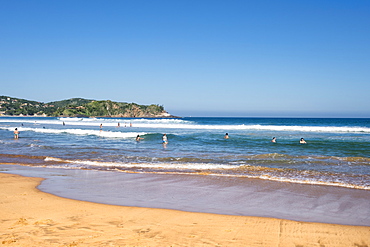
30	217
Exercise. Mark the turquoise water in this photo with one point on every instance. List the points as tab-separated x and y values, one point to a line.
337	152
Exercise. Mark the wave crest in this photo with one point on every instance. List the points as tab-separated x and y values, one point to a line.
103	133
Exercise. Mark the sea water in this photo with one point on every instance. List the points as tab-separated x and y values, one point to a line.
337	152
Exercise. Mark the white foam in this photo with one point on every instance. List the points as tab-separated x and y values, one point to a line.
188	125
312	182
191	166
108	134
181	124
200	167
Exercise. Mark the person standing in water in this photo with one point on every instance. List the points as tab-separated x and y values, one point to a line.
138	138
16	133
226	136
164	139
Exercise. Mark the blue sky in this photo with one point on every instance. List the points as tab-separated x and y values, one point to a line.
197	58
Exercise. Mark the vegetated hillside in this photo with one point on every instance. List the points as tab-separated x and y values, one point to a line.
78	107
73	101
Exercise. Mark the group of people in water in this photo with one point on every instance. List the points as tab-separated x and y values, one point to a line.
301	141
118	125
164	137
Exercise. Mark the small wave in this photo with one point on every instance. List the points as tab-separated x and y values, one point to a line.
313	182
192	166
54	159
234	170
355	159
33	145
108	134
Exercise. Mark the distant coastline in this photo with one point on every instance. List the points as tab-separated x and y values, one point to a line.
79	107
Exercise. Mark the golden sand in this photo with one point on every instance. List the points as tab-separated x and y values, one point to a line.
29	217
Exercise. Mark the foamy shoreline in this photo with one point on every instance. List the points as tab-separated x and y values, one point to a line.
208	194
34	218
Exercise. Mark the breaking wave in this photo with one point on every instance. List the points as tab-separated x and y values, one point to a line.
183	124
84	132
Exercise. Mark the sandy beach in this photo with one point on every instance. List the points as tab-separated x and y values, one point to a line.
30	217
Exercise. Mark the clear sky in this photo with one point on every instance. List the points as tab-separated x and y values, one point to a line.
194	57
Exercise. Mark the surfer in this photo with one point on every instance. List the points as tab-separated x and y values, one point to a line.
302	141
16	133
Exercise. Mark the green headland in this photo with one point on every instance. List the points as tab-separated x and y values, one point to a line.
78	107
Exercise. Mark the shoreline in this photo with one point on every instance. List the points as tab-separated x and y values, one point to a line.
31	217
206	194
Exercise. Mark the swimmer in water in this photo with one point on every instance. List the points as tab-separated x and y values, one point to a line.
302	141
138	138
226	136
273	139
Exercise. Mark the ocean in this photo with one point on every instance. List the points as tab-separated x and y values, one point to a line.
336	153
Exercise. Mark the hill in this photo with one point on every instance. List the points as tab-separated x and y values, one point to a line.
78	107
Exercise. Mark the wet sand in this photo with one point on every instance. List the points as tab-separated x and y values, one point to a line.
30	217
208	194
